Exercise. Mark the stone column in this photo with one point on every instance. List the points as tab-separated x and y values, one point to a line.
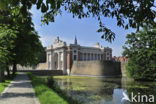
64	62
47	55
47	61
52	61
58	68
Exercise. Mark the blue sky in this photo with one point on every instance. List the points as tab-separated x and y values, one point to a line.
67	27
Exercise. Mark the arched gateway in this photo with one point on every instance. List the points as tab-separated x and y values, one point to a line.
60	56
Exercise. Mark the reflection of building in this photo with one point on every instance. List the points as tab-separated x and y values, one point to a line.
60	56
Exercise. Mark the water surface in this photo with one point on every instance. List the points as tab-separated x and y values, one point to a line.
106	90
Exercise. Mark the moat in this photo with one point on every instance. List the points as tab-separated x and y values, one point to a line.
88	90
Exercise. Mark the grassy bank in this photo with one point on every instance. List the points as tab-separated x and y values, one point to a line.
3	85
48	92
76	77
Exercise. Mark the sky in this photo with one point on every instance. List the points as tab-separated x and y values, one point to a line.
67	27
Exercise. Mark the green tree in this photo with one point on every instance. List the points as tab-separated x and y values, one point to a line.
26	44
128	13
141	50
42	55
7	39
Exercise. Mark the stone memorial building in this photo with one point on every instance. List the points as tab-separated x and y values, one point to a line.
60	56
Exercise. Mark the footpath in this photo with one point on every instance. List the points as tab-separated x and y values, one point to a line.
19	91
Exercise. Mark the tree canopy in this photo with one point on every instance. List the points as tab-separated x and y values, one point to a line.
42	55
141	50
7	37
128	13
19	41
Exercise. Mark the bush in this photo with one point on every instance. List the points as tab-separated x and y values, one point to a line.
141	51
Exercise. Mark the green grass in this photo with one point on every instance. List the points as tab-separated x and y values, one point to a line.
3	85
47	94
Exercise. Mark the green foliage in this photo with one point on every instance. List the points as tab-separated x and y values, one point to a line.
128	13
42	55
27	43
141	51
19	42
27	48
7	40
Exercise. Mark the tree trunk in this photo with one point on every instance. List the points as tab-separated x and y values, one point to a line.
8	71
14	68
1	75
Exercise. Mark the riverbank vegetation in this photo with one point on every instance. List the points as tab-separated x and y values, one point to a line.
49	92
70	77
141	50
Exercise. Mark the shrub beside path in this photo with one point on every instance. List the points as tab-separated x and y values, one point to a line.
19	91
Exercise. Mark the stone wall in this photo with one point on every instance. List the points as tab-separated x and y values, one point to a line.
123	69
19	67
96	68
42	66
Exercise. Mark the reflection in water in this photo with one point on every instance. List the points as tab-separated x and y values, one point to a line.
104	90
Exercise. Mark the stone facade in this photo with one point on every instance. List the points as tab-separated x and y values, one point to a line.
60	56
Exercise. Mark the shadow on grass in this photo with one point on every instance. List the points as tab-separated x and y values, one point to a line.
51	92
